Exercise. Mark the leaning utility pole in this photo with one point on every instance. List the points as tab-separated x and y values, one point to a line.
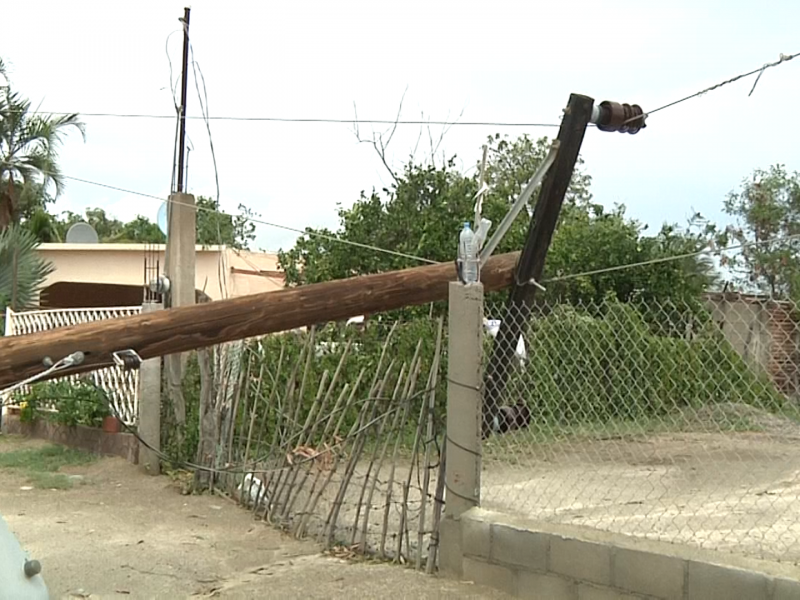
579	113
184	82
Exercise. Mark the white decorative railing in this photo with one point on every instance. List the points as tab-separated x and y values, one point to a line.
120	385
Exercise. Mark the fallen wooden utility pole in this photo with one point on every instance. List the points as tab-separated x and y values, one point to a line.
188	328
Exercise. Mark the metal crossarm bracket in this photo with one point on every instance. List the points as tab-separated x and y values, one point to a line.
523	199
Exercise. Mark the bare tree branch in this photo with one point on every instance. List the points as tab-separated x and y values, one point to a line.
378	142
419	137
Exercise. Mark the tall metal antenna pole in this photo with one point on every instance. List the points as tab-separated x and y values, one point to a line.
184	81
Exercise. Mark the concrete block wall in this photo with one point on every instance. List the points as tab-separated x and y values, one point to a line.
533	560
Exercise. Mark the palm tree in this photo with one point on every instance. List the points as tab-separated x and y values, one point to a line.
28	149
22	270
43	226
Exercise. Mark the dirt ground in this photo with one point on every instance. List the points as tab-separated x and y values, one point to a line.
732	491
120	534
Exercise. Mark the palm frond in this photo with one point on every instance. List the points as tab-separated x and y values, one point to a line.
29	142
22	270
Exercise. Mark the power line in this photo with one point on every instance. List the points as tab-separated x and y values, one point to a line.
241	468
204	112
783	58
312	120
310	233
672	258
307	232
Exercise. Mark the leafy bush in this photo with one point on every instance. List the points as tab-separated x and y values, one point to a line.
597	366
181	443
364	354
76	403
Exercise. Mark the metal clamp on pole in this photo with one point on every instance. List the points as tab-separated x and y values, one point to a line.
520	202
127	359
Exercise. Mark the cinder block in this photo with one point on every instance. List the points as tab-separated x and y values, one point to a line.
520	547
475	537
714	582
587	591
450	555
577	559
648	573
493	576
786	589
535	586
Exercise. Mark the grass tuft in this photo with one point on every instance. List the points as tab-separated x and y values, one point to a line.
41	465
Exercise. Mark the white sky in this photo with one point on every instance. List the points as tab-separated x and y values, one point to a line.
495	61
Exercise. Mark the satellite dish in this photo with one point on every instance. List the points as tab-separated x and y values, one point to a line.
82	233
161	219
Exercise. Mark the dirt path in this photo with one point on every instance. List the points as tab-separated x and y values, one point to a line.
120	535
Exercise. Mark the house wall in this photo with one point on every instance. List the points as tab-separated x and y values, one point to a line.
763	332
745	325
219	270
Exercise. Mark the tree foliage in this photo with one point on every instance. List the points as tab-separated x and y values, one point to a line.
29	144
633	376
22	270
766	210
213	226
216	227
422	213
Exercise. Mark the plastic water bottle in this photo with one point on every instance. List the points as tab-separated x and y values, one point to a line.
468	255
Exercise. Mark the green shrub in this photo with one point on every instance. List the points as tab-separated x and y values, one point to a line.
601	365
365	353
76	403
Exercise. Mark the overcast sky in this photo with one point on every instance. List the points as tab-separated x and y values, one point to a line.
492	61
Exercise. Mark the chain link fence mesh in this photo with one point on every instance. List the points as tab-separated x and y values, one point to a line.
676	422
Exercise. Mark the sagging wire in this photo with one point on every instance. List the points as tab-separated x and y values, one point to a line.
129	359
67	362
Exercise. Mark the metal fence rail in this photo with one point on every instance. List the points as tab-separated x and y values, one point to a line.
676	422
120	385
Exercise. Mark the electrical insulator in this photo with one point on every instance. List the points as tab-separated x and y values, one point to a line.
613	116
160	285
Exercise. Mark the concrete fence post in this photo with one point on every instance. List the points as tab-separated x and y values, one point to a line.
464	416
149	417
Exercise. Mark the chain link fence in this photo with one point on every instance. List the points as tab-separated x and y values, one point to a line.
676	422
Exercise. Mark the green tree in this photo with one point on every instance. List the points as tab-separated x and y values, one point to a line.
43	226
141	231
33	198
108	228
766	210
422	214
215	227
22	270
29	145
